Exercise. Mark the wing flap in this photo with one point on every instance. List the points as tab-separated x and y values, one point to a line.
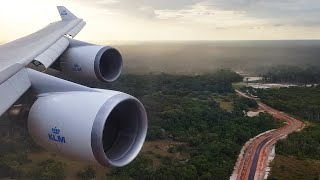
52	53
13	88
77	29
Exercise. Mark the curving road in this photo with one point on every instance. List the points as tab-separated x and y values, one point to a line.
254	162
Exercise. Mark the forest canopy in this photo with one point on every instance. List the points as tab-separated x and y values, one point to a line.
200	114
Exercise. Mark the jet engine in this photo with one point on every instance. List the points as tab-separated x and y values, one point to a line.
100	126
89	61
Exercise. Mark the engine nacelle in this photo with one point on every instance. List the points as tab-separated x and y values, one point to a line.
107	127
88	61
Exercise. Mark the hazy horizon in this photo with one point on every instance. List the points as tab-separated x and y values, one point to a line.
194	57
197	57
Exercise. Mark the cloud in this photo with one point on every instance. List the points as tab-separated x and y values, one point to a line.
284	12
291	12
140	8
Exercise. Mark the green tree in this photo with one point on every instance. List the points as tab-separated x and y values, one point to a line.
48	170
86	174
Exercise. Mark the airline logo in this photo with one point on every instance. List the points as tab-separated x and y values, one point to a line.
64	13
76	68
54	135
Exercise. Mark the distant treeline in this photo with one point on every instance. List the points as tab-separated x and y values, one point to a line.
219	81
206	56
293	74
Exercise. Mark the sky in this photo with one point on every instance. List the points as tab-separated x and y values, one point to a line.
168	20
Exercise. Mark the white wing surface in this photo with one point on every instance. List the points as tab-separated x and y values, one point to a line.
44	46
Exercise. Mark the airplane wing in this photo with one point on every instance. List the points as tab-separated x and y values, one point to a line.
44	46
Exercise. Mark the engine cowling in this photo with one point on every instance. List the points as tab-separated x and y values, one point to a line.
107	127
88	61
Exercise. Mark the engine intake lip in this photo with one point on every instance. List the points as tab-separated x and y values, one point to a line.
121	148
108	64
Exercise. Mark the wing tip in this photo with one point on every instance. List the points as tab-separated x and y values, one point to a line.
65	14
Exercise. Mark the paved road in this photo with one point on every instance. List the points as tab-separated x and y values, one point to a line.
254	162
257	153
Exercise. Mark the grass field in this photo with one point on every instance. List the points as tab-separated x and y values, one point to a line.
238	85
292	168
225	101
71	167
